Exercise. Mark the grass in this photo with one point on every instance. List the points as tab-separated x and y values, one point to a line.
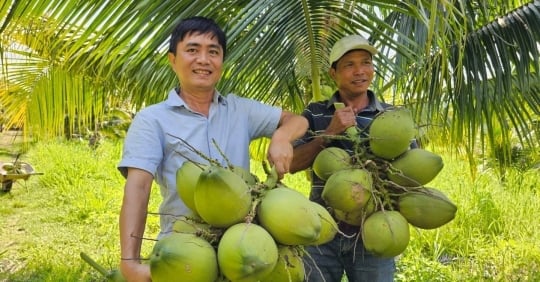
47	221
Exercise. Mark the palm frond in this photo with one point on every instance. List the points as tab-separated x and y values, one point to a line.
468	68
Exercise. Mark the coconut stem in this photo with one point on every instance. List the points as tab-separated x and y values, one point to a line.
229	164
253	212
271	178
94	264
194	150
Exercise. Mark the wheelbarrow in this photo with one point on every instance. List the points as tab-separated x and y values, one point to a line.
13	171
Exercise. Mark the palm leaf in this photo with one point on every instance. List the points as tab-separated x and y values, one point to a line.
469	69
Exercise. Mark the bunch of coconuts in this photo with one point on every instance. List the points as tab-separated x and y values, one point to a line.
381	187
241	228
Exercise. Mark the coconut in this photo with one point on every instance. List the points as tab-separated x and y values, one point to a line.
426	208
415	167
289	216
357	216
183	257
348	189
115	275
186	180
385	233
222	278
289	267
249	178
329	227
330	160
222	197
391	132
246	252
186	224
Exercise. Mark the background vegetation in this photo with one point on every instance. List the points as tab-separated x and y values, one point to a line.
73	207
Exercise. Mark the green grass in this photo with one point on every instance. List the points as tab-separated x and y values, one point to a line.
48	220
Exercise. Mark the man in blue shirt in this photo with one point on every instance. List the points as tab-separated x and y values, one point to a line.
198	114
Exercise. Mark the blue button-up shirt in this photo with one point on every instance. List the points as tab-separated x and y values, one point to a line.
162	136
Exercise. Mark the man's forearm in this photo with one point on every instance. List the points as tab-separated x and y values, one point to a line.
132	222
291	127
305	154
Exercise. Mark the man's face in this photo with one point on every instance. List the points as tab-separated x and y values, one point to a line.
353	73
197	62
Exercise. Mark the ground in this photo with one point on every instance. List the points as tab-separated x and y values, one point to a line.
10	141
10	150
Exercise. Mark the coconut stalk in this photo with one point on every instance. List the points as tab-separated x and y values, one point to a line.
113	275
196	226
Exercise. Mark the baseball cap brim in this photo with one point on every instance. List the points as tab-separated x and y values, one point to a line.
349	43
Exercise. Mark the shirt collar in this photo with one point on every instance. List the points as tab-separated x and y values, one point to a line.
374	104
174	99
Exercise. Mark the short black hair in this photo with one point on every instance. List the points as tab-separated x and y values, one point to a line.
199	25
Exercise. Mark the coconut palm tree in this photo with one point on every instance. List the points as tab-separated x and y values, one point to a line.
469	70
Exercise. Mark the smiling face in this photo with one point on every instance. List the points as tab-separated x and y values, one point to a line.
353	73
198	62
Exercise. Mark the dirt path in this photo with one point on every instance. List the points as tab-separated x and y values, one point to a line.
10	141
10	137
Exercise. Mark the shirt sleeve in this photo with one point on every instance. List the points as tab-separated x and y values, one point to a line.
143	145
263	118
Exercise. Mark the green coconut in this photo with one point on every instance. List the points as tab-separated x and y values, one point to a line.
391	132
330	160
246	253
289	266
426	208
415	167
222	197
329	227
186	181
386	233
357	216
222	278
115	275
186	224
249	178
289	216
348	189
183	257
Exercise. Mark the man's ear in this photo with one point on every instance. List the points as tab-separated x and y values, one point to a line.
171	57
332	73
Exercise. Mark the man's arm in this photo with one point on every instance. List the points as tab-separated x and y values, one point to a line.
132	224
280	151
304	155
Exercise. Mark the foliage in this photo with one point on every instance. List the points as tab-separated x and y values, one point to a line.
469	70
74	207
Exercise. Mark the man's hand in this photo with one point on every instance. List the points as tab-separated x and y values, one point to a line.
343	118
280	151
280	154
134	271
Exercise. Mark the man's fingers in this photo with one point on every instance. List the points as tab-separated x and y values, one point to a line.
281	170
